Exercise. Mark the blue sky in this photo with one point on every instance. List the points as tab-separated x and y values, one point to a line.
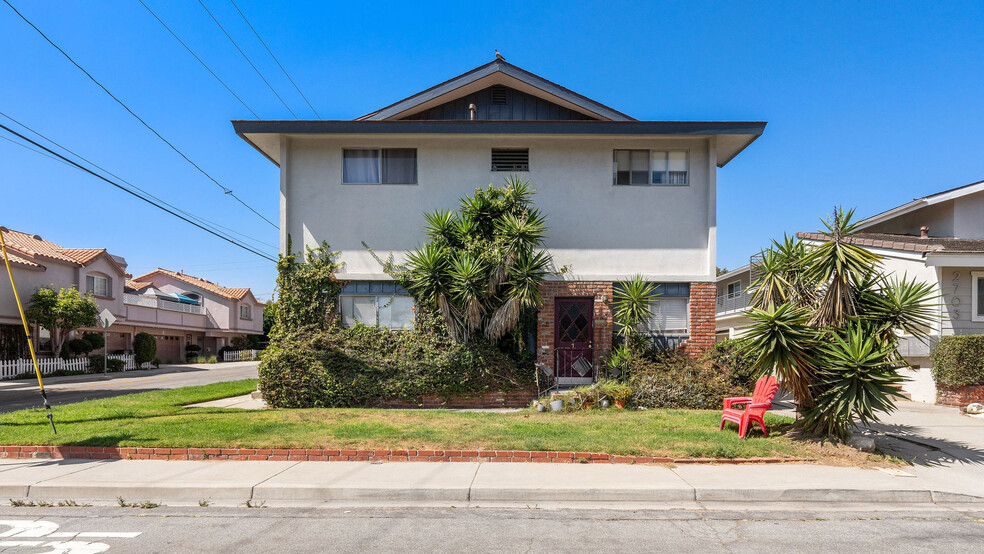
869	104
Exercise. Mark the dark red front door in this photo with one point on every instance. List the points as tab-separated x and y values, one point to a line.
573	335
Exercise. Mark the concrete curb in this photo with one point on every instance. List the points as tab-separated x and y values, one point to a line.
313	484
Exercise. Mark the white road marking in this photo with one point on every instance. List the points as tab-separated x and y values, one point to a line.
28	529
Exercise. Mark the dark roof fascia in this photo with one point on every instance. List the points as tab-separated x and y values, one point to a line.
503	127
496	66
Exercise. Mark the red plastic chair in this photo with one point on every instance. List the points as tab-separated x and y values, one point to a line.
755	407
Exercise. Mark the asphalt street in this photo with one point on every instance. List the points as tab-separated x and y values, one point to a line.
20	394
882	528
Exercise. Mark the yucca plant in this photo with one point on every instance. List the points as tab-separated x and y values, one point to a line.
827	322
484	263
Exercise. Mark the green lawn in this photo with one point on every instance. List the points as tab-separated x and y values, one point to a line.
159	419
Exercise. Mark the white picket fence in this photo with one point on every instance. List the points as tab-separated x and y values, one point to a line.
12	368
239	355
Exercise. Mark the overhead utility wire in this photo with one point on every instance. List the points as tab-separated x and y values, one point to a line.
190	51
145	124
35	150
275	59
111	174
145	199
247	59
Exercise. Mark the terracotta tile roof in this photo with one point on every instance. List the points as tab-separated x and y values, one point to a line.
136	285
33	246
16	259
234	294
908	243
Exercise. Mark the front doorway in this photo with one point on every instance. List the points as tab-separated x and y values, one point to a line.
574	338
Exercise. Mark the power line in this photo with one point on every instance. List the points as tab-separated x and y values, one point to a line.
247	59
145	199
275	59
111	174
190	51
225	190
36	151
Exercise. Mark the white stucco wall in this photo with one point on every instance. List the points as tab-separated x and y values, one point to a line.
968	217
602	231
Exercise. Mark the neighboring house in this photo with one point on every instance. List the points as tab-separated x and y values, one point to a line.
175	308
937	239
622	197
733	298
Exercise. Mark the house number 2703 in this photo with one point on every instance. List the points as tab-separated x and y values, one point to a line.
954	299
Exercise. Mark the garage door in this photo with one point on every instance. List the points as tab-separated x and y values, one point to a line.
169	349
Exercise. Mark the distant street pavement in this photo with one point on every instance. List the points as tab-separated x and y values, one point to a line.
21	394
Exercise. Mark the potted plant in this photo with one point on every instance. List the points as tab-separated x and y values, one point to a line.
618	393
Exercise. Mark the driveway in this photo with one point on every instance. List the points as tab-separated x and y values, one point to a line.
21	394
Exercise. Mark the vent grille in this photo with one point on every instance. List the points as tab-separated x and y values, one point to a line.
499	94
510	159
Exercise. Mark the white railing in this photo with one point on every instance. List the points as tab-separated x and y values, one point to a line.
239	355
152	302
733	302
13	368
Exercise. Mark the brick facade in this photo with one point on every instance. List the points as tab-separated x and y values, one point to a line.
959	397
702	313
702	323
601	292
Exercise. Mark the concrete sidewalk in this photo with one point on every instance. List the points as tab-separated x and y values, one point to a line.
232	483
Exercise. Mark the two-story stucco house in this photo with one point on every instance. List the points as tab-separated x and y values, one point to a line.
175	308
938	239
622	197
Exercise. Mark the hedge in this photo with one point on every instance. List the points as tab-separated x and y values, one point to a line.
958	361
363	366
669	379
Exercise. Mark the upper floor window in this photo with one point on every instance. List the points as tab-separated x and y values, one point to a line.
376	303
243	312
651	167
510	159
97	285
375	166
734	289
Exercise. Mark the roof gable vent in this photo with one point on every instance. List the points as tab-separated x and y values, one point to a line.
510	159
499	94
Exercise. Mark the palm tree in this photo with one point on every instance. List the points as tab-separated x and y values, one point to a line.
484	263
827	323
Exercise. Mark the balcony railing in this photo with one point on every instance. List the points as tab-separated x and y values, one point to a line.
157	303
733	302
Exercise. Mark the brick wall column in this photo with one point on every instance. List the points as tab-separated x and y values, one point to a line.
601	292
702	322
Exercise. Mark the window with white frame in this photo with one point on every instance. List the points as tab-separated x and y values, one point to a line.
651	167
977	295
734	289
379	166
243	312
97	285
376	303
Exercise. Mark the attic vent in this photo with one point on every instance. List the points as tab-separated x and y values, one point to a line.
510	159
498	94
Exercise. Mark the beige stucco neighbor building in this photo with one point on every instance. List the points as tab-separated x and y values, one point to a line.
177	309
622	197
938	239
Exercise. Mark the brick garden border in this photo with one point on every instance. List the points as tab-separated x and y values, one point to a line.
349	455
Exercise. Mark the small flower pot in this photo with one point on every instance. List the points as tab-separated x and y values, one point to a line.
620	403
556	405
540	407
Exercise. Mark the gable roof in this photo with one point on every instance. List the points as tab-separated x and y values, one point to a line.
136	285
232	294
496	72
923	202
907	243
33	247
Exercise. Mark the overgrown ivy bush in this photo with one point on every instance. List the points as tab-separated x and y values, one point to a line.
739	358
668	379
363	366
958	361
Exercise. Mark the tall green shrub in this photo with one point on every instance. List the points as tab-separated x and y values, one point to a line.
61	313
958	361
144	348
307	291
